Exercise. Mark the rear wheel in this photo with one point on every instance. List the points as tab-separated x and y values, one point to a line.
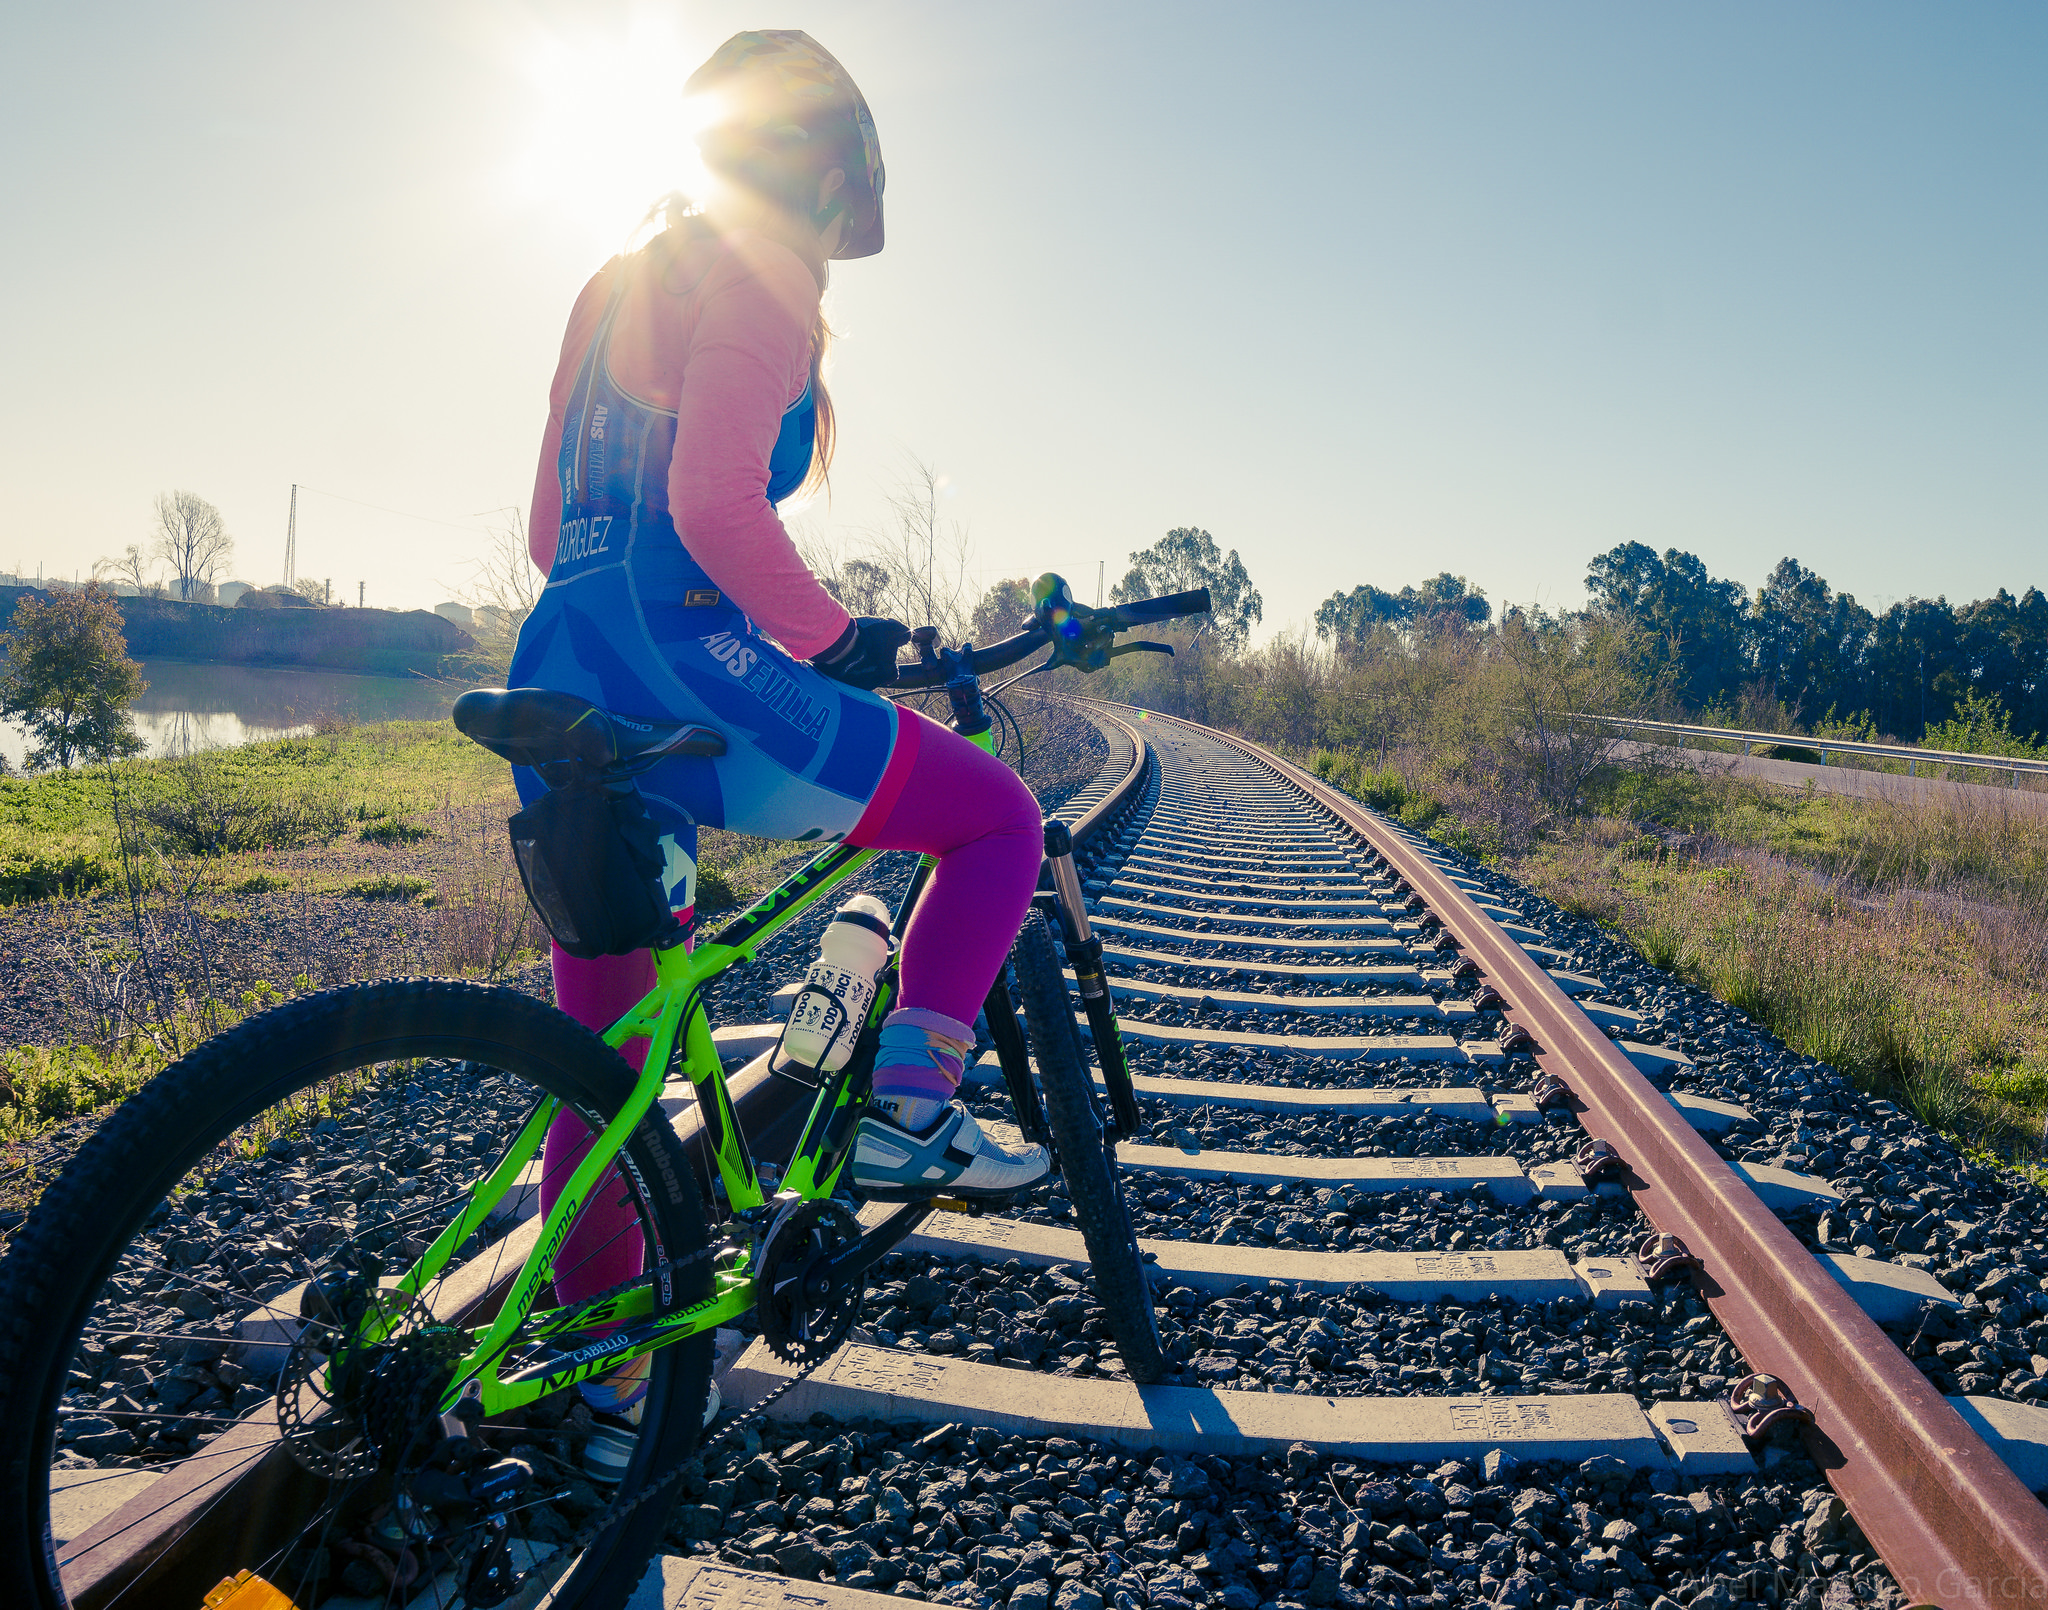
155	1318
1087	1154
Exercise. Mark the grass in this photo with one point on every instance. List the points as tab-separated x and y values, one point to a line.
1899	944
391	831
400	813
387	887
44	1085
1904	944
58	835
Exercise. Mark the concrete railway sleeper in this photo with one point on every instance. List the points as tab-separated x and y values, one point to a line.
1418	1358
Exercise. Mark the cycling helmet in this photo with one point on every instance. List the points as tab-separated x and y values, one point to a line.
792	114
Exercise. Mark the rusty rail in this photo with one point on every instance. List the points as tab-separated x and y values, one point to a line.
1948	1517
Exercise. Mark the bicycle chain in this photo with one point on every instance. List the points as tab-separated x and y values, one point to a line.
619	1509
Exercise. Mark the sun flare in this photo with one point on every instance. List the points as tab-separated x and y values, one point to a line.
604	127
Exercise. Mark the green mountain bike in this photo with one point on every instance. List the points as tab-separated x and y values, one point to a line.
291	1309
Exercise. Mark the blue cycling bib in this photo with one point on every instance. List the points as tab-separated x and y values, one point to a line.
631	621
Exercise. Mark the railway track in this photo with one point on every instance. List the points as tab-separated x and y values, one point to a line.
1407	1138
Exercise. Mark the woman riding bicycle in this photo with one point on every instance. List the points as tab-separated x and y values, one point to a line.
688	402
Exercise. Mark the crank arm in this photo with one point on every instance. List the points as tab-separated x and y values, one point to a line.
854	1263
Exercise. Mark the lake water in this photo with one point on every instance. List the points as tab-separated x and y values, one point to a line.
188	707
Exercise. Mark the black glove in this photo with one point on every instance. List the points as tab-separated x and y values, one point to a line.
865	655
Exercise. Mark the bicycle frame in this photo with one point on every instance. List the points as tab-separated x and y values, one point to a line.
669	1016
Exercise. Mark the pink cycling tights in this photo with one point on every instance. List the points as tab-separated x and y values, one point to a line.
940	795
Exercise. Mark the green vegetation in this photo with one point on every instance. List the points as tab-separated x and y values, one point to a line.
68	678
58	833
390	830
387	887
1906	945
404	813
43	1085
1828	921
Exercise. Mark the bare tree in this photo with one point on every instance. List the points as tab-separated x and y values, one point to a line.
926	557
133	567
193	540
503	587
915	568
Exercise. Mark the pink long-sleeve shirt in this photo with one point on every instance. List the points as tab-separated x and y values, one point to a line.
719	332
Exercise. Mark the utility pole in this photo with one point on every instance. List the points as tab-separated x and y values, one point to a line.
359	593
291	538
1100	566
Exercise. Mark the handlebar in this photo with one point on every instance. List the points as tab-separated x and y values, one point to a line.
1144	611
1078	635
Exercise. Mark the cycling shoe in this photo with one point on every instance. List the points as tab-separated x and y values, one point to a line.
952	1157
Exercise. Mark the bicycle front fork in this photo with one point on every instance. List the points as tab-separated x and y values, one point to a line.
1084	954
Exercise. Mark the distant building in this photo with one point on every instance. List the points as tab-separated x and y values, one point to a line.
272	598
493	619
232	590
455	614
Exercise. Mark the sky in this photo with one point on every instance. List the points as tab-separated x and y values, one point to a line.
1366	291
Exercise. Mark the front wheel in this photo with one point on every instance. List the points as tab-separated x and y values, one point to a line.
1087	1153
165	1316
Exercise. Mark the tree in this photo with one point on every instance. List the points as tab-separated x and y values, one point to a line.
925	557
1002	612
69	680
1812	643
1698	624
1446	603
862	586
503	588
133	567
193	540
1187	558
1349	620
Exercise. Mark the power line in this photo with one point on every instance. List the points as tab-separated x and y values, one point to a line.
403	514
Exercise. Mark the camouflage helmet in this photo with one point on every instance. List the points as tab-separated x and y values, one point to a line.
791	115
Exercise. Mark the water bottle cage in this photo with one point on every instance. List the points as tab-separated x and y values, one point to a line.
834	1007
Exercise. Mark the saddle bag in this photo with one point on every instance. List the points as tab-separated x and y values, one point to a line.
590	858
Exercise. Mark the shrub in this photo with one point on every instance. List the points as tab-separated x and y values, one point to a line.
390	830
211	808
715	891
39	876
389	888
42	1085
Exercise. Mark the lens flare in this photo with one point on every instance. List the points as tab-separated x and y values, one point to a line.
616	92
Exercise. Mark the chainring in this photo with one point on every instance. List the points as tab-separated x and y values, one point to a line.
803	1318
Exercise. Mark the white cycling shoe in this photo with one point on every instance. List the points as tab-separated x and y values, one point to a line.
950	1158
615	1435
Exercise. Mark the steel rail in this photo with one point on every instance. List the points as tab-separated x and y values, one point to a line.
1947	1516
172	1537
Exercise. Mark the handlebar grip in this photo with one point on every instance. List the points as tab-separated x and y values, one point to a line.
1144	610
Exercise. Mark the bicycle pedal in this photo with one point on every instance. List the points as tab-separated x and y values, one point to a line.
956	1204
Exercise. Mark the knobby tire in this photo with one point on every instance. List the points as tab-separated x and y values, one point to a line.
1087	1156
100	1206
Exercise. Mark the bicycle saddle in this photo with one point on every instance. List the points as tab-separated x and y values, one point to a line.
538	727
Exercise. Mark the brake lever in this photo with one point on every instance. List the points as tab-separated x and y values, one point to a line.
1142	648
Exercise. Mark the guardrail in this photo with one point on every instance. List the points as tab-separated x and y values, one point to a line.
1914	757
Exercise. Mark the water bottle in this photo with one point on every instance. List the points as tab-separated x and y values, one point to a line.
825	1020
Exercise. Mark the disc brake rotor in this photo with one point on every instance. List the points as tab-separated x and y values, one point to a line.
344	1408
